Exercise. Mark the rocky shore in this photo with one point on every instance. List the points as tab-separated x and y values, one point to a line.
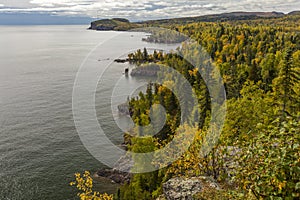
149	70
121	60
120	173
124	109
114	175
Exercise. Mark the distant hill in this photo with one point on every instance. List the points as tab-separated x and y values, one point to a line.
120	24
258	14
295	13
218	17
117	24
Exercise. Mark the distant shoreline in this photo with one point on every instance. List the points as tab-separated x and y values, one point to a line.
123	24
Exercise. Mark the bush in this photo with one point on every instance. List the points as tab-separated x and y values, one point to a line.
84	185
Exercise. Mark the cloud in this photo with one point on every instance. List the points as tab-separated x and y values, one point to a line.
145	9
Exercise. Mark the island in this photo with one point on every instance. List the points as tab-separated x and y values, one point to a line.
115	24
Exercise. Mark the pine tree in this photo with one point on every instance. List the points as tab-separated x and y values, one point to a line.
285	82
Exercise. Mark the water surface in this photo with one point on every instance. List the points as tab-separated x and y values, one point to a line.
40	149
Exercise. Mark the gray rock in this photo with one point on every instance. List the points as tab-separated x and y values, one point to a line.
114	175
121	171
124	164
181	188
124	109
148	70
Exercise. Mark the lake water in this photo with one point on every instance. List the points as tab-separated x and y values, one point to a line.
40	149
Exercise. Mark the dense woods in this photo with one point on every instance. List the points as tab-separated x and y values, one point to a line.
259	61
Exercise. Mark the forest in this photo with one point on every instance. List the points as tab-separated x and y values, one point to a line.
259	62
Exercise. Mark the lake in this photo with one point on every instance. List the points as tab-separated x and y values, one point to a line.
40	149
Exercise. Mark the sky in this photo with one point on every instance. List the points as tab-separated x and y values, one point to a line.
137	10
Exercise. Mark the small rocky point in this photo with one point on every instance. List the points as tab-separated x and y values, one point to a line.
115	176
120	173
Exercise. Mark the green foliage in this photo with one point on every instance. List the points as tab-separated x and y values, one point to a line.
244	113
248	50
140	57
269	164
165	36
284	84
213	194
259	61
142	186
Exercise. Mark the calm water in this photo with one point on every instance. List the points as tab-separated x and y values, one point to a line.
40	149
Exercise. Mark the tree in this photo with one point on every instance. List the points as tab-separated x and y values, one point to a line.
244	113
145	55
84	185
284	84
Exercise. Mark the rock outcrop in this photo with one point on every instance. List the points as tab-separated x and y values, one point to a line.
121	60
181	188
124	164
120	173
114	175
124	109
148	70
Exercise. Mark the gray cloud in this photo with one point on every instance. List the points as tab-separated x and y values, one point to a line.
144	9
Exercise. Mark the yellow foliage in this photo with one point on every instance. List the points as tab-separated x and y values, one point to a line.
84	184
188	163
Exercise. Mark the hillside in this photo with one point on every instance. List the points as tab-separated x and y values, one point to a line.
295	13
255	153
120	24
218	17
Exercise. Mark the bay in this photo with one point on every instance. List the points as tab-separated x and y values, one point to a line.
40	149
